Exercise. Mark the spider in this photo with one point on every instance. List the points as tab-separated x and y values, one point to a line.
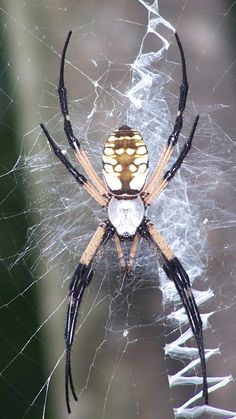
126	195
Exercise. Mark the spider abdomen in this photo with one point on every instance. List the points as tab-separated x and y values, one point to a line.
125	161
126	215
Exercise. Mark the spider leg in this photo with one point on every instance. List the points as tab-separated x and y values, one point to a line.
80	281
81	179
127	266
175	271
174	136
120	252
133	252
73	141
169	174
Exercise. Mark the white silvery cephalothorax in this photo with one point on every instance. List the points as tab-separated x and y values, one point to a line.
126	215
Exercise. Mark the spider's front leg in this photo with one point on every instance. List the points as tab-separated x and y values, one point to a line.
80	281
176	272
132	253
127	266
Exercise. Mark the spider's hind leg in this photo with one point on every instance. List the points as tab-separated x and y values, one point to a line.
153	185
79	177
169	174
68	129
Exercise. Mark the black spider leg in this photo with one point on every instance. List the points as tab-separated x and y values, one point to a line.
173	138
156	184
62	92
176	272
80	281
81	179
169	174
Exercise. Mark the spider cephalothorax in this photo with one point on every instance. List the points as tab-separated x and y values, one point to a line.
125	196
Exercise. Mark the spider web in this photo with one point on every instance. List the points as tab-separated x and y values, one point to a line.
134	355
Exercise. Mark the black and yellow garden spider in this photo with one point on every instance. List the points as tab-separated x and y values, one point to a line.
125	196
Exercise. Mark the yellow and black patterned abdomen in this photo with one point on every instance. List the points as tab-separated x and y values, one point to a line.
125	161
